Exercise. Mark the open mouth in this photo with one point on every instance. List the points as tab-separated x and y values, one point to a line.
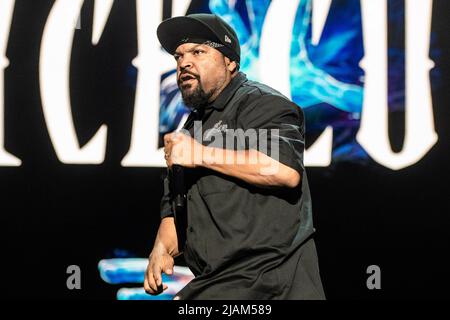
186	78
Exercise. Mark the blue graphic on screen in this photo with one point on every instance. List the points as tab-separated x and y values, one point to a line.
129	272
326	79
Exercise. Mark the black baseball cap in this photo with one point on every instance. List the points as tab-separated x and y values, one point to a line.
203	28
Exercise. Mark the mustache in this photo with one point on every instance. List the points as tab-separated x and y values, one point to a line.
187	73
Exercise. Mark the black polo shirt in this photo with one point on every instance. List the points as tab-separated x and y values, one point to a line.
244	241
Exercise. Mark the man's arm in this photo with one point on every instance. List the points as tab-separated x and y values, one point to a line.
167	236
252	166
161	257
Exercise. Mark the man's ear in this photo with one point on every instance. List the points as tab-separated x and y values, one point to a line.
231	65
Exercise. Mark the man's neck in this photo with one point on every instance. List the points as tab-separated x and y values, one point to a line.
224	85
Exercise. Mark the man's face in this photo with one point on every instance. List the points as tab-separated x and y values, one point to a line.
202	73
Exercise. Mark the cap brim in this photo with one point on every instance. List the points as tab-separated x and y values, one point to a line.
172	31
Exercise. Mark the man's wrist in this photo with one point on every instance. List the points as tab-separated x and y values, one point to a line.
207	158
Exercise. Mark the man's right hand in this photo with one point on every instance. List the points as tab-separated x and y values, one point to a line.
159	261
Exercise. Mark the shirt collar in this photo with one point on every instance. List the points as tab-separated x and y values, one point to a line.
226	94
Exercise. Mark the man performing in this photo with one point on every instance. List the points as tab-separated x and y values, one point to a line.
249	215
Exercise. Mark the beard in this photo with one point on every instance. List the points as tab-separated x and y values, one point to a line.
195	98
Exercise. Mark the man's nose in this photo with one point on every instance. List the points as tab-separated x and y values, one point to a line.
185	64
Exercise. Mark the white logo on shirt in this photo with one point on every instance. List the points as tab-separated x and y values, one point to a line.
218	127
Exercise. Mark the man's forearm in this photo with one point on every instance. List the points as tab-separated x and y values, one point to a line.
251	166
166	239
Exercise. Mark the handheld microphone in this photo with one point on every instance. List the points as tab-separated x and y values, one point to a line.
178	195
178	192
178	187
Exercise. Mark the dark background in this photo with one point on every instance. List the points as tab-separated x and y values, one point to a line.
55	215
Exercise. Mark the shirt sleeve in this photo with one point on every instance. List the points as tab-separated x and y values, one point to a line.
166	207
284	137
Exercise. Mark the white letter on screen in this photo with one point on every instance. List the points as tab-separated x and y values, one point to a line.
54	71
6	12
420	134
